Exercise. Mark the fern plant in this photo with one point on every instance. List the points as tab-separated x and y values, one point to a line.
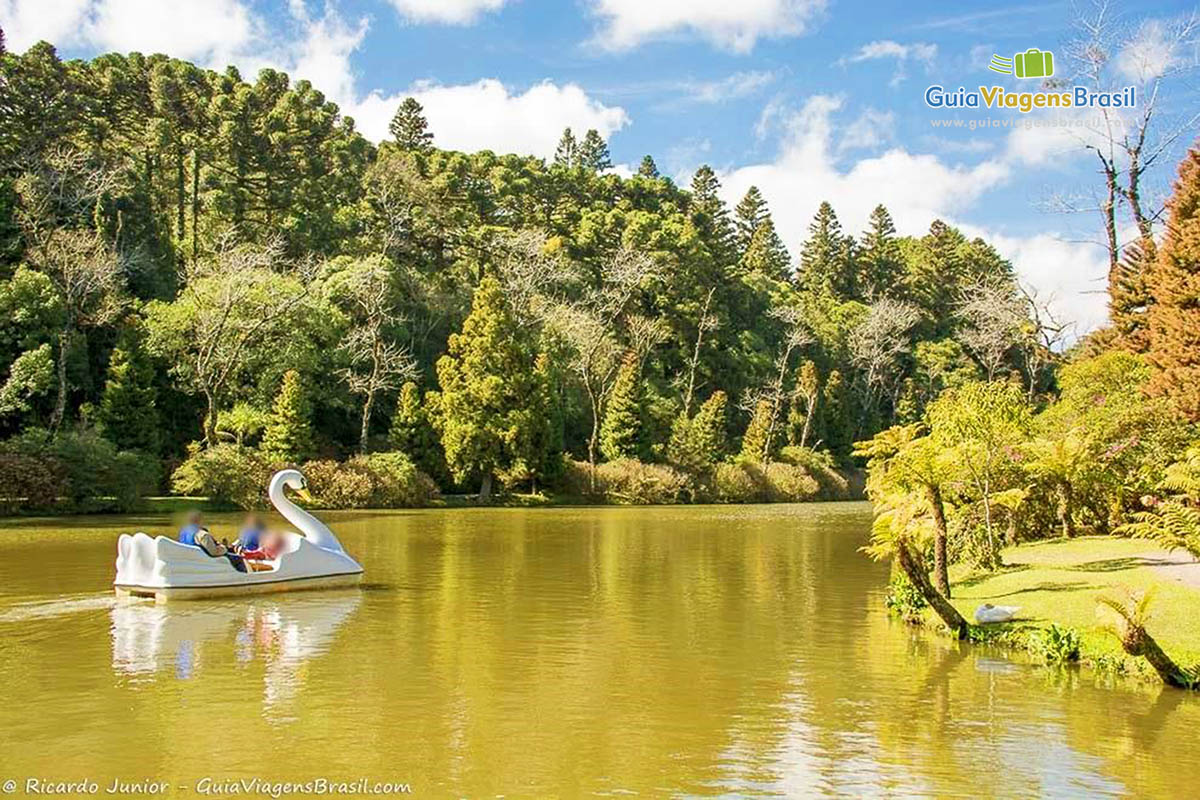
1173	521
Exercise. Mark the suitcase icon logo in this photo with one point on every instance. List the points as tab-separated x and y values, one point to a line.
1033	63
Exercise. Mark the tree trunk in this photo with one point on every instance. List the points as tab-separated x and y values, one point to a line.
941	569
60	400
364	431
1065	516
914	570
210	420
195	204
485	488
1138	642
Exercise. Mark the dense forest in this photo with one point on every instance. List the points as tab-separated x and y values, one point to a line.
203	276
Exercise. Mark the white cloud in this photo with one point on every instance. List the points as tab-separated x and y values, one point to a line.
27	22
201	30
447	12
487	115
872	129
916	188
902	53
731	26
731	87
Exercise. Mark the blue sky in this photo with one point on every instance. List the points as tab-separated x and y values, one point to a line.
808	99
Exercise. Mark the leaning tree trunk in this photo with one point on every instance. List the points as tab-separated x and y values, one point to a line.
915	571
941	568
1136	641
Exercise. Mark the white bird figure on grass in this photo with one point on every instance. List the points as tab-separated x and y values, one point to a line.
989	613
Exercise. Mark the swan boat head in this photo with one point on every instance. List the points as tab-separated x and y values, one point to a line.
306	524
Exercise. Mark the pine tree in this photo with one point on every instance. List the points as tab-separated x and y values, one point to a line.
412	433
1175	287
487	381
711	217
593	152
766	254
567	152
288	436
880	265
648	169
620	432
697	444
409	128
826	258
755	446
749	214
1129	298
835	415
128	413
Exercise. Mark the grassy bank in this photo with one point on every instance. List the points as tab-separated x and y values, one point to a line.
1057	582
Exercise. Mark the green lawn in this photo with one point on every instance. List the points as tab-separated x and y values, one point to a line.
1058	582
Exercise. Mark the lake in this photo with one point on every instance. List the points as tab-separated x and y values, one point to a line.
673	651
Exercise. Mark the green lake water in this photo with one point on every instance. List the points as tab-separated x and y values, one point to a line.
676	651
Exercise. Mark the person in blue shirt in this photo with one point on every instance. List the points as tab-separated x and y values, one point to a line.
252	529
193	526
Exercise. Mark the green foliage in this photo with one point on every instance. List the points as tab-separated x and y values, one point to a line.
903	599
755	445
30	482
487	384
750	481
627	482
409	128
821	466
83	468
697	444
288	436
621	430
226	474
30	376
1056	645
1173	518
378	480
128	413
243	422
412	433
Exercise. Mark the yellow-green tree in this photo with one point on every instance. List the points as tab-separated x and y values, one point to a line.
288	436
621	430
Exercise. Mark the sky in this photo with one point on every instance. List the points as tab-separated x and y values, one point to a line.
810	100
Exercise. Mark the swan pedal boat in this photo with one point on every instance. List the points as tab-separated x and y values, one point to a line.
165	569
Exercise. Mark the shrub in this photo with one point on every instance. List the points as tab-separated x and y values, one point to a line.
632	482
226	474
29	483
1056	645
903	599
380	480
746	481
84	468
397	481
821	466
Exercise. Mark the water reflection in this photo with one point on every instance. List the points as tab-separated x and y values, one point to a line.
284	633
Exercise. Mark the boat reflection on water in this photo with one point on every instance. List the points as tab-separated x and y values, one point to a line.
286	632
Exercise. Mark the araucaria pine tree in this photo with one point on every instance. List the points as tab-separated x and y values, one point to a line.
288	436
755	444
488	391
880	264
748	215
648	169
697	444
1129	297
1175	287
826	260
593	152
409	128
128	414
412	433
567	152
620	432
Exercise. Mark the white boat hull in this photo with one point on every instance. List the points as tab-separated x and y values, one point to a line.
165	569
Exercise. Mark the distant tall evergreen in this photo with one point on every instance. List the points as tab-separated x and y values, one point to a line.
1129	297
826	259
593	152
621	429
648	169
289	436
1175	286
409	128
767	255
747	216
711	217
128	414
566	153
880	264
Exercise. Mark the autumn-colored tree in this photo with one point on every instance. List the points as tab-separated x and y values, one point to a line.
1175	287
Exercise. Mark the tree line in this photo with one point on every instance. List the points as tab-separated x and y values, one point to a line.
194	265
